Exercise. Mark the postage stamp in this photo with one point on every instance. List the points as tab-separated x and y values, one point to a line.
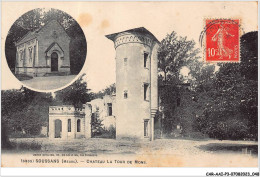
222	40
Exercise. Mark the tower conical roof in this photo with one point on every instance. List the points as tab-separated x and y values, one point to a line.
140	30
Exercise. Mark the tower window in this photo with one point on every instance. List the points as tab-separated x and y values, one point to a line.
69	125
125	61
146	127
125	94
178	101
109	106
145	59
78	125
146	91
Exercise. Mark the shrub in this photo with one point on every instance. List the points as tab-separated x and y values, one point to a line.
234	127
96	125
109	133
5	143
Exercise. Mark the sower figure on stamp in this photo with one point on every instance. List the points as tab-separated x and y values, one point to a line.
219	36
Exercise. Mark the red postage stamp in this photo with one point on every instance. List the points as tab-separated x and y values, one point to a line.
222	40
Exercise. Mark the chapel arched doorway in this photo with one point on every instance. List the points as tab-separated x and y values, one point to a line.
54	61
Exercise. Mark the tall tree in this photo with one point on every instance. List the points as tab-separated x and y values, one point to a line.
174	53
75	94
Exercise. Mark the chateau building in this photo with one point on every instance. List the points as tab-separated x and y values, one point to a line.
68	122
105	108
43	51
133	108
136	82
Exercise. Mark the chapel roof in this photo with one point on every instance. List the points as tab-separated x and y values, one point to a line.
33	34
28	36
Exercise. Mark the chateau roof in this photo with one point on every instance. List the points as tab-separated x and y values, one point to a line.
141	30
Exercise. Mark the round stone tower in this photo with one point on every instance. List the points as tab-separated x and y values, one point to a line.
136	82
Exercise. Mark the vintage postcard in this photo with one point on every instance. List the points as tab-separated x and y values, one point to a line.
129	84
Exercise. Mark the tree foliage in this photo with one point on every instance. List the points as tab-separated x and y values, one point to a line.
96	124
233	112
24	110
222	101
111	89
174	53
202	76
75	94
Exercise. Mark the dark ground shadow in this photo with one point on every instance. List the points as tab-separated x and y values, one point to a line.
230	148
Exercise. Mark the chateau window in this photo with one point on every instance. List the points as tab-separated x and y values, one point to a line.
145	59
146	86
78	125
125	94
109	106
146	127
69	125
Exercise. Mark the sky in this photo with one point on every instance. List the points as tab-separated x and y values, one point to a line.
98	19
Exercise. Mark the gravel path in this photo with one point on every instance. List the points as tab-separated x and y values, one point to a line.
49	83
178	152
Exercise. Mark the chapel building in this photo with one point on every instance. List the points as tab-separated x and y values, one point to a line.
44	52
